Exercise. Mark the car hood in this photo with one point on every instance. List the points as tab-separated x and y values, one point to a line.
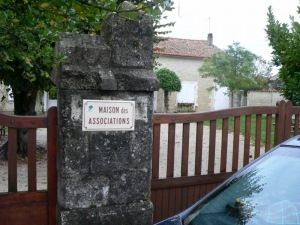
175	220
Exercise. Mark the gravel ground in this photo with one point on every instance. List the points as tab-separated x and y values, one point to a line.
23	169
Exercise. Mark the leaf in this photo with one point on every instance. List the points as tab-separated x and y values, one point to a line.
15	20
44	5
132	15
30	38
77	8
156	11
139	6
27	61
113	6
96	25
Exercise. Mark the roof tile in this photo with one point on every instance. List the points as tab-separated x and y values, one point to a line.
185	48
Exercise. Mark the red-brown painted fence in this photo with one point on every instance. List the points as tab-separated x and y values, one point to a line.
170	194
32	206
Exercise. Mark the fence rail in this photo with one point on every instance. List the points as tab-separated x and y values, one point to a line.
214	161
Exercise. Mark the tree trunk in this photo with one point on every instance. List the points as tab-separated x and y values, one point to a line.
24	105
166	101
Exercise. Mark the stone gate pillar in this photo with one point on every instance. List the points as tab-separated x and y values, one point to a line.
104	176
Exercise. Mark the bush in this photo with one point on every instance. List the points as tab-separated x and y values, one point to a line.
168	80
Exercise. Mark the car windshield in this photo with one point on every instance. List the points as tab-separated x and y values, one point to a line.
267	192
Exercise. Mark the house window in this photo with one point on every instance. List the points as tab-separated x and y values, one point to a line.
187	97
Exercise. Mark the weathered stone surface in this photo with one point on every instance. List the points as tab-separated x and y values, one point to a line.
70	106
84	50
83	191
75	77
129	187
135	80
140	154
107	80
112	62
131	41
110	151
88	56
130	214
73	157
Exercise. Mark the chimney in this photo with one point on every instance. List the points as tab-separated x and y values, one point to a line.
210	39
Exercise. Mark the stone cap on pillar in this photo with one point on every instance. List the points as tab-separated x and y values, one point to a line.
120	59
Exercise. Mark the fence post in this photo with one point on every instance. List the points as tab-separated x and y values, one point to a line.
104	176
51	164
280	134
283	122
288	120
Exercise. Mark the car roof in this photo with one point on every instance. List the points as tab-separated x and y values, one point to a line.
292	142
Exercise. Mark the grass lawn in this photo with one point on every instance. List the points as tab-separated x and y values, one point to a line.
253	127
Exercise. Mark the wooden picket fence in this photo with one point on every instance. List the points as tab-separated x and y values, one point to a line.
32	206
171	191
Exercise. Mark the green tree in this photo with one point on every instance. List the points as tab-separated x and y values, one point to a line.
235	68
169	82
262	75
29	30
285	42
276	84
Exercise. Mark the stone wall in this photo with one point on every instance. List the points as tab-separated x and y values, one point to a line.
263	98
104	176
187	70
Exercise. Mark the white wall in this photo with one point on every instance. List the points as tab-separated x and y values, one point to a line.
221	100
48	103
187	70
263	98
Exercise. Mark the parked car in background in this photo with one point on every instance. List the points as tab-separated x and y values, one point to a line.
267	191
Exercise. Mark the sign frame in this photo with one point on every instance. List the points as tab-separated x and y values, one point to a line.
108	115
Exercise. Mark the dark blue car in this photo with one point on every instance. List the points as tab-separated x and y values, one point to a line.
267	191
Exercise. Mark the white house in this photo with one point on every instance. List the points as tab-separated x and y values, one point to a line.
184	57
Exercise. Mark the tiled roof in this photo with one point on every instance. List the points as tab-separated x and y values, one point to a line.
185	48
265	91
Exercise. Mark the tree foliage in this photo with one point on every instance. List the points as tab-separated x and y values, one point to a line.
262	75
285	42
29	30
276	84
237	69
169	82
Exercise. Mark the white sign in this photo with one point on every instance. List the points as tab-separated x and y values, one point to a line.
105	115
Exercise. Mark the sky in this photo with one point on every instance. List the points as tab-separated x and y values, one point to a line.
229	21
